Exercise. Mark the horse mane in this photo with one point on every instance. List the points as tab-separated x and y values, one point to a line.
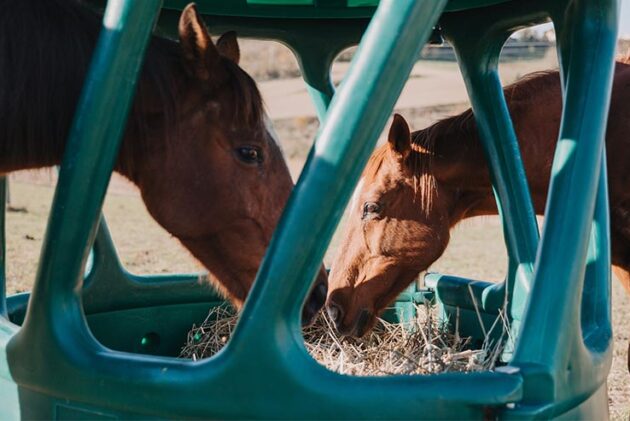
426	145
46	49
375	162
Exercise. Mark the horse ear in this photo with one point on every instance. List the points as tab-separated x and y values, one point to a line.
228	46
200	54
399	137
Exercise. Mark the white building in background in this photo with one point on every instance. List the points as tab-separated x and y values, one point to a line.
624	20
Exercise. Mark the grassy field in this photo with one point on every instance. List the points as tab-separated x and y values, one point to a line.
476	249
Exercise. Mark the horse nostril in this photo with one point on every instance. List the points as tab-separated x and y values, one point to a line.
321	291
314	303
335	313
362	323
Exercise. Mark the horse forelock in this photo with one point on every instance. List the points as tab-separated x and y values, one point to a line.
354	201
374	164
420	163
271	131
417	165
247	104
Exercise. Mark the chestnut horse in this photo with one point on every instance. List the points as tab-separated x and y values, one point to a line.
196	143
418	186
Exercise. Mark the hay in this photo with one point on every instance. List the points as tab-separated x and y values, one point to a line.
392	348
208	339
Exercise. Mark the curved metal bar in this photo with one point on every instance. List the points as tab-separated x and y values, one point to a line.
595	311
109	287
550	346
596	296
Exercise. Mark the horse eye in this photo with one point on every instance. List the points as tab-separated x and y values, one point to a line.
249	154
371	208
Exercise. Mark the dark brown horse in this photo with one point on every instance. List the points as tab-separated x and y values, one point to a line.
196	145
418	186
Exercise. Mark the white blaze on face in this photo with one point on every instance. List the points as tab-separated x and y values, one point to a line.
355	196
272	132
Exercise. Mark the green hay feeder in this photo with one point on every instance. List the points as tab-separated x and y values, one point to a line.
103	346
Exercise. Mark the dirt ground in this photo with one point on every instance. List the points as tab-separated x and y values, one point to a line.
434	91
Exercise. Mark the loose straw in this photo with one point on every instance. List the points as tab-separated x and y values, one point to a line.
421	347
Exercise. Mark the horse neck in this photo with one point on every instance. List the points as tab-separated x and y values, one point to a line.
460	169
458	159
153	116
468	179
37	107
449	156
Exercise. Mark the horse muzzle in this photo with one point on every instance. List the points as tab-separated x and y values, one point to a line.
360	326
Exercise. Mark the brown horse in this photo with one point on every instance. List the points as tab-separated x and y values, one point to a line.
418	186
197	143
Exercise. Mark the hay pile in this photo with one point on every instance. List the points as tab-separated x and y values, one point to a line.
392	348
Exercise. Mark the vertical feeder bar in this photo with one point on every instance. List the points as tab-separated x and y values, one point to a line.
356	116
596	306
596	297
479	66
478	57
105	249
3	246
54	319
548	347
315	64
478	37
